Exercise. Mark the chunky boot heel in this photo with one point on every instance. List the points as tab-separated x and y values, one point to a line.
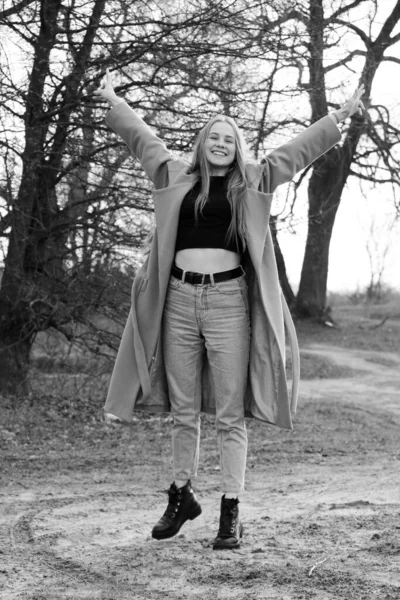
230	530
195	513
182	506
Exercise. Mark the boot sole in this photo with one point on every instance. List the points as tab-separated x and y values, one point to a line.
168	534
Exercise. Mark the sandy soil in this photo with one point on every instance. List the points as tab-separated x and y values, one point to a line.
321	512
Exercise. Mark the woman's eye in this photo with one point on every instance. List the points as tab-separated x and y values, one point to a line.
215	138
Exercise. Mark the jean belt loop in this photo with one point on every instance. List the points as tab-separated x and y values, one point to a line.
203	278
212	279
183	277
244	272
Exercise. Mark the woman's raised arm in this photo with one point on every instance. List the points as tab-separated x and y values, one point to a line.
290	158
144	144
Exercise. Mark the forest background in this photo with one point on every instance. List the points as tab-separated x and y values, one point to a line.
76	208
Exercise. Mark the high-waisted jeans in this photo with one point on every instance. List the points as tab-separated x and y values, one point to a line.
208	321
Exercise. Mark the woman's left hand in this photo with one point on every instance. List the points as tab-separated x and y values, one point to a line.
106	91
352	106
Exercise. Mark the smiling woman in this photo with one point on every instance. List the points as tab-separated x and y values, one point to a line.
206	330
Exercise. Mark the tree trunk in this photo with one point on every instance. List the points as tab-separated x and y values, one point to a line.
324	192
15	344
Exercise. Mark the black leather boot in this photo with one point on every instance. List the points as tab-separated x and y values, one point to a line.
182	505
230	528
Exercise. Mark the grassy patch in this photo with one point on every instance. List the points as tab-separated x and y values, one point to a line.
318	367
353	331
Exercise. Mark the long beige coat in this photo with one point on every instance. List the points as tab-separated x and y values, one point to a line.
138	380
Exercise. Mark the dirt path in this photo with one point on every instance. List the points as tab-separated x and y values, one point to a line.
321	511
377	377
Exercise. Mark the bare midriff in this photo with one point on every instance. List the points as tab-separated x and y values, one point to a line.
206	260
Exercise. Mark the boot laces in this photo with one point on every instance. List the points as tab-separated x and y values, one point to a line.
174	502
229	516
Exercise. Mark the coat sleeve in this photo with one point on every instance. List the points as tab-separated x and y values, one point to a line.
283	163
145	145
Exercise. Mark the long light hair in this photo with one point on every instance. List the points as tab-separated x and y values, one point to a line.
236	179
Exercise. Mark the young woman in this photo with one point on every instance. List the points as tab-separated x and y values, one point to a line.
206	327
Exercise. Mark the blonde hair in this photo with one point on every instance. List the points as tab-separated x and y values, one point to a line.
236	174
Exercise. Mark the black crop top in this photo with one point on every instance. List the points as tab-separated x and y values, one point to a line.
212	227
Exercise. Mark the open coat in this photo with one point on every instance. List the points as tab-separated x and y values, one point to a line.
138	380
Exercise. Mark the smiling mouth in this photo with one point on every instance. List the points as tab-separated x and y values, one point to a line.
219	153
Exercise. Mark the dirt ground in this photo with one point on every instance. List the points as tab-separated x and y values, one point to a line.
321	511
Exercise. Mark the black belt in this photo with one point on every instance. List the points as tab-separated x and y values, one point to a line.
203	278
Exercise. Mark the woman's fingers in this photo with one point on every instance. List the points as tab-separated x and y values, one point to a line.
355	103
360	107
358	93
104	86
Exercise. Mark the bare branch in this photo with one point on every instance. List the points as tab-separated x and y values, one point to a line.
343	9
15	9
395	39
384	38
367	41
392	59
348	58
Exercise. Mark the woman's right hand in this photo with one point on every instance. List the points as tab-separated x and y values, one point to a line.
106	91
354	105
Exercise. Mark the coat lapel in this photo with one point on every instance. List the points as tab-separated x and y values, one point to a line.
257	210
167	204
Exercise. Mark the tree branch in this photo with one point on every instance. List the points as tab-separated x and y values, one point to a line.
15	9
393	59
345	60
384	38
367	41
394	39
342	9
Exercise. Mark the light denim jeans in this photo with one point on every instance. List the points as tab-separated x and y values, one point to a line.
209	320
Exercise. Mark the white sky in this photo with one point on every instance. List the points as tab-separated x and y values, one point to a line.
349	267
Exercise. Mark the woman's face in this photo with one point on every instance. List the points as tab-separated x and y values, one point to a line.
220	147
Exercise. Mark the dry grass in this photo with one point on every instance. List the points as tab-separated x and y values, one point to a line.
360	326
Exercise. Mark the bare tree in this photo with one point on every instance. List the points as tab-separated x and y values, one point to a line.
370	144
378	245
